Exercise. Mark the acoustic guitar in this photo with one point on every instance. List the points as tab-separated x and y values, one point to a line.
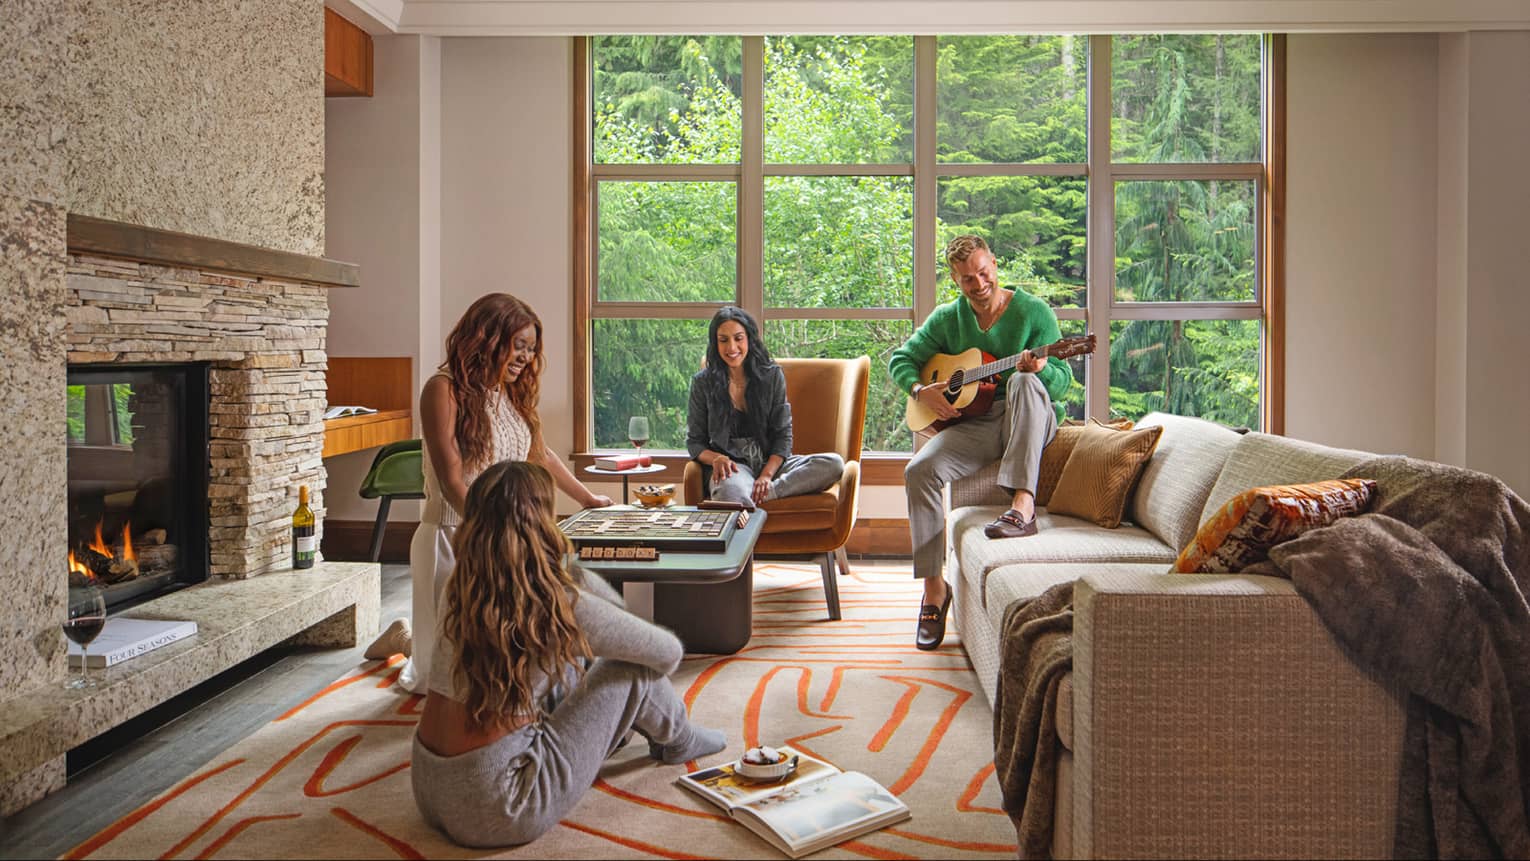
969	380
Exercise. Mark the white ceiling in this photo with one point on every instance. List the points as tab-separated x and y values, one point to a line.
747	17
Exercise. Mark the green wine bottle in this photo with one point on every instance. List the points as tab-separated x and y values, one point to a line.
305	544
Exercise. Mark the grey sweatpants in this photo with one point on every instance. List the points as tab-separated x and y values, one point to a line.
799	474
511	791
1013	432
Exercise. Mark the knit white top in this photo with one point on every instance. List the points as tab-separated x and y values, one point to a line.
509	439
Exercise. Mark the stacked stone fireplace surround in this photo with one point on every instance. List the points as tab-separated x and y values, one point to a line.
264	340
263	337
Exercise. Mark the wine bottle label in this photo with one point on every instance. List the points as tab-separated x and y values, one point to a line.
307	544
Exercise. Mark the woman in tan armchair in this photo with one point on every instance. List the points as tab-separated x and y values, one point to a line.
739	424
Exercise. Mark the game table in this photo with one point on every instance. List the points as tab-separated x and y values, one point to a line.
706	596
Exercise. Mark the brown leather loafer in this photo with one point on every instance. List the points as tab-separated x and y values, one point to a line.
1011	524
932	624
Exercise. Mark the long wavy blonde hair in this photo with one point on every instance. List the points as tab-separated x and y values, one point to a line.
510	601
478	350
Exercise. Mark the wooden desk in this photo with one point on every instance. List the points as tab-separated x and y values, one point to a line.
385	384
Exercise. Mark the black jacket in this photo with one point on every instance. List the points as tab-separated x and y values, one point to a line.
709	414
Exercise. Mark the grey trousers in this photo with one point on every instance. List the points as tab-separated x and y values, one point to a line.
1013	432
515	789
799	474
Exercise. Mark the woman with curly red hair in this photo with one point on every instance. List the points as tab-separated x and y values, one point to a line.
479	409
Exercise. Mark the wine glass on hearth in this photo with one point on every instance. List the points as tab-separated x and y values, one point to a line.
87	616
637	431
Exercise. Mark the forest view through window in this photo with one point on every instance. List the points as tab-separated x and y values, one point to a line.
786	175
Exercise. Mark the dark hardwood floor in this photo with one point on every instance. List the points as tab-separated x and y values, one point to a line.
126	767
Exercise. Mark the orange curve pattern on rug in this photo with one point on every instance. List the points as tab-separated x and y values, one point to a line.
330	778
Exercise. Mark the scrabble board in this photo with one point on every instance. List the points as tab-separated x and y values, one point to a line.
679	528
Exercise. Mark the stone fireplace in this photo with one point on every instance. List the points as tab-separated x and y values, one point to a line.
244	328
263	342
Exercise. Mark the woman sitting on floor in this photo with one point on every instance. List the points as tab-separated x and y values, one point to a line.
740	425
495	763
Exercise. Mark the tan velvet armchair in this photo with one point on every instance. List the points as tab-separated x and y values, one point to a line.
828	399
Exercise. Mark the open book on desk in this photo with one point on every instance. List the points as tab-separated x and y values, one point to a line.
343	412
813	808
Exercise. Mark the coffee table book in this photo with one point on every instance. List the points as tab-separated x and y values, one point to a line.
812	808
124	638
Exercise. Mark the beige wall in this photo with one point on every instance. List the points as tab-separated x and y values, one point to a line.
1360	246
1497	285
506	127
382	172
205	118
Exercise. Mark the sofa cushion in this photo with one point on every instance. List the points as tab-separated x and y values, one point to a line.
1178	478
1055	456
1261	459
1255	520
1061	539
1101	472
1024	581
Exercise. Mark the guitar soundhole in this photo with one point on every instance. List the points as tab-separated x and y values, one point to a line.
954	384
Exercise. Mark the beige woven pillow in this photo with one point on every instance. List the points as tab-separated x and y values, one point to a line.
1055	456
1101	472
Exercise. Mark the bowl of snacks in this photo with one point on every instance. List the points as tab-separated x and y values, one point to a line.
655	495
765	763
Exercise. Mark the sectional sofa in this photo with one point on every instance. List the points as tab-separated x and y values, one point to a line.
1205	715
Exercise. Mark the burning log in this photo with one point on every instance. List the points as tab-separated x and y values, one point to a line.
152	536
156	557
119	570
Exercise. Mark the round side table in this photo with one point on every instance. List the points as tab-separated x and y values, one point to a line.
626	474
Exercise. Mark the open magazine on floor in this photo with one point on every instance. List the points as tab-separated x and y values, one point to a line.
812	808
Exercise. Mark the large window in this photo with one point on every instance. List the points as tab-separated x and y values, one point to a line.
814	180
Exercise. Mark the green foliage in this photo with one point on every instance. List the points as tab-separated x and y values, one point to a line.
844	242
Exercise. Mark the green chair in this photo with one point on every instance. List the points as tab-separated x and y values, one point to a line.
396	473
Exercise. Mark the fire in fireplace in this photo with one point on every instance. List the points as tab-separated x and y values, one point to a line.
138	470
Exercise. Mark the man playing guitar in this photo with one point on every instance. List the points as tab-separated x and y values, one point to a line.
1022	420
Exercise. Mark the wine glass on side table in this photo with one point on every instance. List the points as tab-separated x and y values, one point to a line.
87	616
637	431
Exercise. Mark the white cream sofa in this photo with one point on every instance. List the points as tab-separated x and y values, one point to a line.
1206	715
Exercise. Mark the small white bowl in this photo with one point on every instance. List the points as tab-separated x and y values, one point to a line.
768	771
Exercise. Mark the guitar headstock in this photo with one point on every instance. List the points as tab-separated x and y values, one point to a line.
1067	348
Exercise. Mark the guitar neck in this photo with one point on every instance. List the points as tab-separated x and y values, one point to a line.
999	366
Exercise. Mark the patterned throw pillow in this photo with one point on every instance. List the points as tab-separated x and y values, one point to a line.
1055	456
1252	522
1101	472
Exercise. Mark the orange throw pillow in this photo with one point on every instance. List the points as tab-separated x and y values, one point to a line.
1252	522
1101	472
1055	456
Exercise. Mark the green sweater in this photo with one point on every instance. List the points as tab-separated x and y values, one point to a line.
1027	323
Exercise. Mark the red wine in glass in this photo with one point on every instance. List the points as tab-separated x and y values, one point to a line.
87	616
637	431
85	629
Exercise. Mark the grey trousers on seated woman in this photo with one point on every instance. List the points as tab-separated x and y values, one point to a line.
799	474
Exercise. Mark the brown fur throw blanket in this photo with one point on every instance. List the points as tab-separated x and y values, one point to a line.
1427	593
1036	645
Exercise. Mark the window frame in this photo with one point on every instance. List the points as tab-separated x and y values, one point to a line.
1100	172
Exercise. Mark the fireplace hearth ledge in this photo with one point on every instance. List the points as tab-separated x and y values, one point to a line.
333	604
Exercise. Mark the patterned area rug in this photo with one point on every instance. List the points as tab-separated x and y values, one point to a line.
329	779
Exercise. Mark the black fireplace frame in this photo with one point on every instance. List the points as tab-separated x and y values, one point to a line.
192	466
